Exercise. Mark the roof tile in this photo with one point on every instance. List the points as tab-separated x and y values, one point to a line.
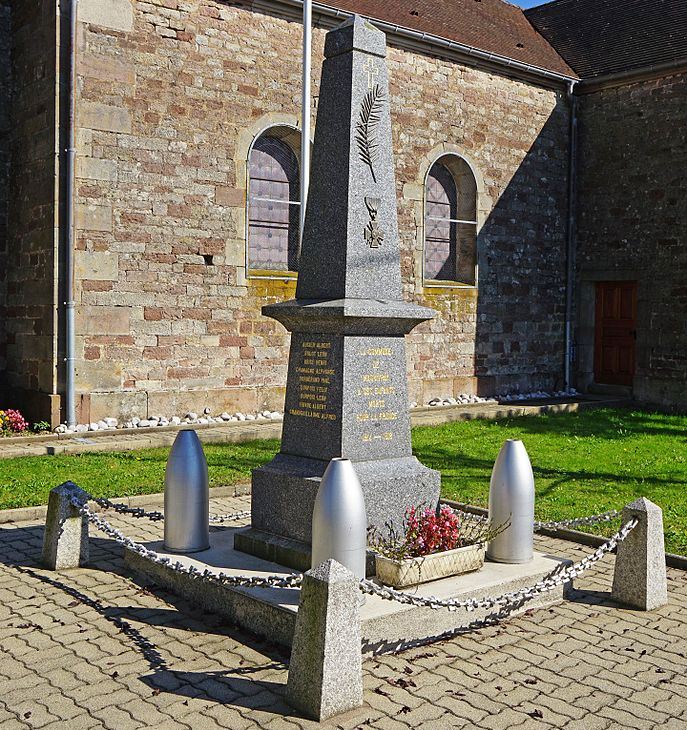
598	37
489	25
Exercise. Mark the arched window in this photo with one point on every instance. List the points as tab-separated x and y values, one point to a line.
451	222
274	201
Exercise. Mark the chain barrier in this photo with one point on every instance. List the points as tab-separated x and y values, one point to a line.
239	581
555	578
591	520
230	517
155	516
124	509
550	525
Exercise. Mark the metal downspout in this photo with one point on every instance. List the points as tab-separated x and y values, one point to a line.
305	111
570	237
70	333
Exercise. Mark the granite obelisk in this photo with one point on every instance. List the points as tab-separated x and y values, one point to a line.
346	393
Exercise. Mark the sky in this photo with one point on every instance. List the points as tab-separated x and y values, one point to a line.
528	3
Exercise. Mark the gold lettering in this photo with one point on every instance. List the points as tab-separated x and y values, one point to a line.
376	378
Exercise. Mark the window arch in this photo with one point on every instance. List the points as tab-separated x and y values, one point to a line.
274	200
450	251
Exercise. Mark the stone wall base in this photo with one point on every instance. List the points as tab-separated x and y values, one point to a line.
664	394
127	404
33	404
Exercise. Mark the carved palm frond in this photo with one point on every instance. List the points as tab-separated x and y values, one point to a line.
369	118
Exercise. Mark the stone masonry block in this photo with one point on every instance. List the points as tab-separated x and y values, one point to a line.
114	14
94	115
639	580
325	671
94	375
65	542
231	197
96	265
93	217
92	168
96	320
106	68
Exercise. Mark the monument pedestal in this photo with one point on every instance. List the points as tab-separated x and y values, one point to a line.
284	491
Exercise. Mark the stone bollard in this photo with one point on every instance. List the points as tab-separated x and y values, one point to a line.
639	579
65	541
325	672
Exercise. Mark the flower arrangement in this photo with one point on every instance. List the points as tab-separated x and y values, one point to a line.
432	544
427	531
12	421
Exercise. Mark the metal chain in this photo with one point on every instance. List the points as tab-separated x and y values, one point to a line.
241	581
154	516
551	525
472	516
555	578
124	509
230	517
591	520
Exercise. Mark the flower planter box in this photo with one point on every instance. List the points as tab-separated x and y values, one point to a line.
413	571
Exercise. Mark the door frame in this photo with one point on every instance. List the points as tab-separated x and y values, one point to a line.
585	320
599	334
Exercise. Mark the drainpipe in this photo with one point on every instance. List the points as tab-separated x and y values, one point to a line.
305	111
570	237
70	344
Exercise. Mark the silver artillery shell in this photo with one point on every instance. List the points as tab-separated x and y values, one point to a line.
187	496
511	499
339	520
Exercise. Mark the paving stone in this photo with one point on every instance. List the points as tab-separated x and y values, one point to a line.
626	719
504	720
589	723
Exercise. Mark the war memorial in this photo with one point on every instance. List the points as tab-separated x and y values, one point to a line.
347	398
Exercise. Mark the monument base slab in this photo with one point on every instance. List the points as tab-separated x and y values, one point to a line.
283	550
283	495
386	626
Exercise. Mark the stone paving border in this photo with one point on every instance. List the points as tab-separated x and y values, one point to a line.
129	439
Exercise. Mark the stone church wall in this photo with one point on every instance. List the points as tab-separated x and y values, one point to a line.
29	307
171	95
633	225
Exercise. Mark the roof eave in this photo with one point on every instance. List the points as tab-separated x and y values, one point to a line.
410	39
621	78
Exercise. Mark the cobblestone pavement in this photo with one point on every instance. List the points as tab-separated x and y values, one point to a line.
91	648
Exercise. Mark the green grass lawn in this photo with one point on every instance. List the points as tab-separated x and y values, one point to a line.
584	463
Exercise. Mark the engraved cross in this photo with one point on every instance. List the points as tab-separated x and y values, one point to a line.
372	73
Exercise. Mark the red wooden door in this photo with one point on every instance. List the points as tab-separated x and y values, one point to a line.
616	332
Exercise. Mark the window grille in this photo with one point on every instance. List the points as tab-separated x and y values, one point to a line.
273	205
450	222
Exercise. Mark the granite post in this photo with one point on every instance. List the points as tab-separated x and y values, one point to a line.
65	541
346	391
639	579
325	671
